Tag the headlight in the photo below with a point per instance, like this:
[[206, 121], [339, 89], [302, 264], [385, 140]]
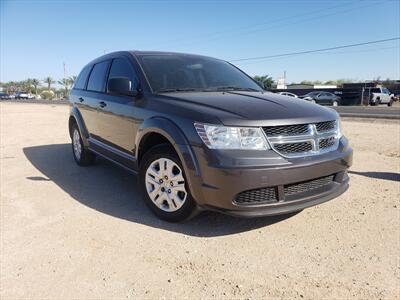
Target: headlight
[[222, 137]]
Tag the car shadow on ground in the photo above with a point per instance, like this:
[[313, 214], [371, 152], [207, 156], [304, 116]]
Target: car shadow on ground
[[378, 175], [113, 191]]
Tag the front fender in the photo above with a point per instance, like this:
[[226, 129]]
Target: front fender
[[176, 137]]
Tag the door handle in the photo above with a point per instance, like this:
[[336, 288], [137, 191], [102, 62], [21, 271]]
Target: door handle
[[81, 99], [102, 104]]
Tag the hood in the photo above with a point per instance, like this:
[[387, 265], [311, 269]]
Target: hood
[[254, 109]]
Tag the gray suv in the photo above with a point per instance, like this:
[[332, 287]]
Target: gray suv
[[202, 135]]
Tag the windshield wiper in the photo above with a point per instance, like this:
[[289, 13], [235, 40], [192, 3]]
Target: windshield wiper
[[235, 88], [176, 90]]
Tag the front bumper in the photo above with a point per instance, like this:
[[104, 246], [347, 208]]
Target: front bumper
[[225, 174]]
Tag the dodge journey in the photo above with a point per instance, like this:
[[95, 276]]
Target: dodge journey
[[203, 135]]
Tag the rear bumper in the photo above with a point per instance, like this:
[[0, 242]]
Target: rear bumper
[[225, 174]]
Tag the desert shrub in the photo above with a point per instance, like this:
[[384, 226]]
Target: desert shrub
[[48, 95]]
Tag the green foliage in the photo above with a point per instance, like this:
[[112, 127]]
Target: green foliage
[[49, 81], [35, 83], [266, 81], [47, 94]]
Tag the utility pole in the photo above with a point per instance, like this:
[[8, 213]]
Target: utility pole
[[65, 81], [284, 79]]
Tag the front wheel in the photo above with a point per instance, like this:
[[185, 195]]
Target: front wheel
[[164, 185]]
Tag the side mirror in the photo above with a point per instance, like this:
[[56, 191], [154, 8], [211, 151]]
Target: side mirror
[[121, 86]]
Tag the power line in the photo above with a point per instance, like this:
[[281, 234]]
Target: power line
[[316, 50], [323, 53], [215, 35], [292, 21]]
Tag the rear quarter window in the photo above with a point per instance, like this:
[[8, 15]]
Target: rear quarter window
[[82, 78]]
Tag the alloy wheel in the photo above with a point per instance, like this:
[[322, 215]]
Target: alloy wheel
[[165, 184], [76, 141]]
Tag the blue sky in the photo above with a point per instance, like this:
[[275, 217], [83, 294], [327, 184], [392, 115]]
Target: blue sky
[[36, 37]]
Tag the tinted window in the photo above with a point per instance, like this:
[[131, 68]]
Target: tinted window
[[375, 90], [97, 77], [193, 72], [121, 68], [81, 80]]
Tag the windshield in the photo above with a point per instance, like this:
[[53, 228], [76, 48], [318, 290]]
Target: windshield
[[174, 73]]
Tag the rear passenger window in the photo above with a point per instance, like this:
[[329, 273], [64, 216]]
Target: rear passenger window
[[121, 68], [98, 76], [81, 80]]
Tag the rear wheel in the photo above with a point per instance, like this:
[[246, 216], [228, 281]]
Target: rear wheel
[[164, 186], [390, 103], [82, 156]]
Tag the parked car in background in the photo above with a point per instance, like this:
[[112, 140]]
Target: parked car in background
[[323, 98], [288, 94], [380, 95], [202, 135], [21, 95], [4, 96], [24, 95]]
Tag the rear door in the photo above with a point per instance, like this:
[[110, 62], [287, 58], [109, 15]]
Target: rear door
[[119, 121], [80, 98], [385, 95], [325, 98], [95, 97]]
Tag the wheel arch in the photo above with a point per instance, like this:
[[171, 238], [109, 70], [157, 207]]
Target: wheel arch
[[163, 130], [75, 117]]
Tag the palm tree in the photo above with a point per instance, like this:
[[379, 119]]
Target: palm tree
[[65, 82], [265, 80], [35, 82], [72, 79], [49, 81], [27, 85]]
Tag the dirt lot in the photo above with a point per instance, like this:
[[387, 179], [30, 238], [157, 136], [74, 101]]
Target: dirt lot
[[71, 232]]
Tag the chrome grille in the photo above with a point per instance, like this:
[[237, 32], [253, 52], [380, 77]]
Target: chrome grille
[[326, 143], [286, 130], [326, 126], [297, 188], [294, 147], [263, 195], [303, 139]]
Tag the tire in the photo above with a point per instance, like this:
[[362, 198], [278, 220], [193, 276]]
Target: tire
[[390, 103], [82, 156], [172, 205]]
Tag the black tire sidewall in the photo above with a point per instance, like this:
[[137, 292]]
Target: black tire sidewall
[[188, 208], [87, 158]]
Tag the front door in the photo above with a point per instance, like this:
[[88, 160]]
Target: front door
[[117, 114]]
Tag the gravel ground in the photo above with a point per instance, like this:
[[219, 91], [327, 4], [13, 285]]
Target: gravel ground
[[71, 232]]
